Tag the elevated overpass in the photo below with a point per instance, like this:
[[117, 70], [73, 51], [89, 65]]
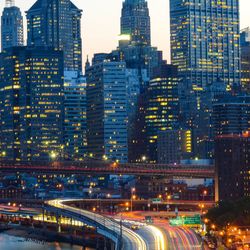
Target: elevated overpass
[[104, 167], [123, 237]]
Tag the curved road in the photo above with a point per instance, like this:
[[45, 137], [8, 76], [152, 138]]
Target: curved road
[[166, 237], [160, 236], [131, 240]]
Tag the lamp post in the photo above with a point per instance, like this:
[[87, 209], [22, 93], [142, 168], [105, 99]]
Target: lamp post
[[132, 196], [204, 194]]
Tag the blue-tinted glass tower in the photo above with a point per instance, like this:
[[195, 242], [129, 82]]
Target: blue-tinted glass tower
[[205, 41], [31, 104], [11, 26], [135, 21], [57, 23], [107, 132], [205, 45], [245, 59]]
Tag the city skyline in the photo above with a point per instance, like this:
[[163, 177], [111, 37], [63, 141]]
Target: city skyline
[[106, 23]]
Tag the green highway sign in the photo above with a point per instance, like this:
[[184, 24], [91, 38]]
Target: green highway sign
[[186, 221], [176, 222], [156, 201], [195, 220]]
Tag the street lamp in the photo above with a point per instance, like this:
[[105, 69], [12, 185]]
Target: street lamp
[[104, 157], [132, 196], [204, 193], [53, 155]]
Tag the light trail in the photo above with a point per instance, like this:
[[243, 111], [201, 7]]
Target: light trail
[[132, 241], [159, 237]]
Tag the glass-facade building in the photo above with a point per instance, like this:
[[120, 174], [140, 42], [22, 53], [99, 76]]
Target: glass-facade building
[[31, 104], [135, 40], [107, 133], [135, 22], [162, 106], [57, 24], [245, 59], [205, 41], [11, 27], [75, 123], [205, 45], [231, 115]]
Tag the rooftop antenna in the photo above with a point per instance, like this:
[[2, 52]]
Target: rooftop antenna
[[9, 3]]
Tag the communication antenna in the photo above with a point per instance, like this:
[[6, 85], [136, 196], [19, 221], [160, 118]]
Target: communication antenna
[[9, 3]]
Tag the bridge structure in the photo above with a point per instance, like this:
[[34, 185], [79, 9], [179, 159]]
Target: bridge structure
[[93, 167]]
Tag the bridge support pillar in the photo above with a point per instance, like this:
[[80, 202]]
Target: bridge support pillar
[[58, 220]]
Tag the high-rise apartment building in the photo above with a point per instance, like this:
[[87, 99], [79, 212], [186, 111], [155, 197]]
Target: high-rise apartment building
[[173, 146], [245, 59], [57, 24], [162, 106], [31, 104], [205, 41], [75, 122], [232, 156], [11, 26], [107, 134], [205, 45], [231, 115]]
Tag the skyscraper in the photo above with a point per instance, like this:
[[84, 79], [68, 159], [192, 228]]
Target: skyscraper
[[135, 40], [231, 115], [205, 41], [57, 24], [11, 26], [107, 134], [135, 22], [136, 50], [31, 103], [245, 59], [75, 123], [205, 46], [162, 106], [232, 156]]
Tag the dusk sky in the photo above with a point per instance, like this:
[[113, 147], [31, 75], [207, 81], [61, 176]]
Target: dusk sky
[[101, 23]]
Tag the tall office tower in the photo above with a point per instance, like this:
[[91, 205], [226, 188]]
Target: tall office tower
[[107, 134], [245, 59], [136, 50], [135, 22], [162, 106], [202, 130], [135, 40], [11, 26], [31, 104], [231, 115], [75, 122], [57, 24], [173, 146], [232, 156], [205, 41], [205, 47]]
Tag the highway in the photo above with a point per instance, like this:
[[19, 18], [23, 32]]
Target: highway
[[131, 240], [158, 236], [164, 236], [179, 238]]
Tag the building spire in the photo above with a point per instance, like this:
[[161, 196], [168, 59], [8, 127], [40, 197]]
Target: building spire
[[9, 3]]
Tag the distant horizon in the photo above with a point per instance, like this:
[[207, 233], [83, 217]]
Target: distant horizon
[[101, 24]]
